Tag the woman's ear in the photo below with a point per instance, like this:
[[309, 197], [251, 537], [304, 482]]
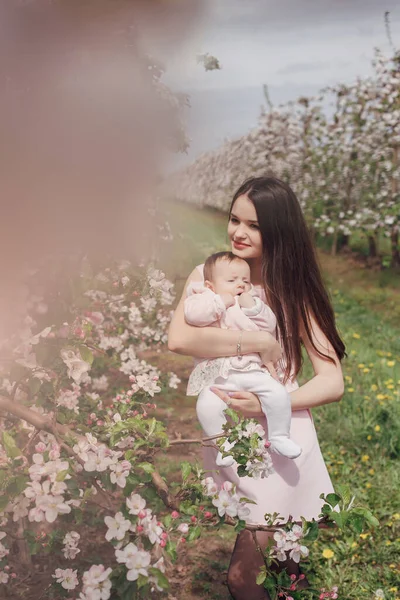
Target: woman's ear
[[209, 285]]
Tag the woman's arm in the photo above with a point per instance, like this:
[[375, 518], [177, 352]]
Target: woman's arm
[[327, 384], [213, 342]]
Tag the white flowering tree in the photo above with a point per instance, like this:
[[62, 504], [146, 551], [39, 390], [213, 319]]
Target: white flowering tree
[[344, 162]]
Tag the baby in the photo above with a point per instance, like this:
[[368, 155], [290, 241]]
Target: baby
[[227, 300]]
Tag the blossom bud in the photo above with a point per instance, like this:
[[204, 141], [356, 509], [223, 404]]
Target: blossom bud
[[132, 378], [182, 540], [92, 415], [159, 523], [207, 514], [40, 447], [13, 575], [139, 528], [129, 393], [115, 283], [292, 587], [174, 514], [293, 577], [302, 576], [142, 514], [183, 528], [164, 535], [193, 519], [163, 543], [267, 444], [100, 423], [155, 378]]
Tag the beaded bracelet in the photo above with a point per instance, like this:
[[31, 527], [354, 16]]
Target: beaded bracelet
[[239, 346]]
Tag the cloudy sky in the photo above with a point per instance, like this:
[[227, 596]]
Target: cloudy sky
[[294, 46]]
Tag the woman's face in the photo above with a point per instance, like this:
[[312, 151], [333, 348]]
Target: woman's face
[[243, 229]]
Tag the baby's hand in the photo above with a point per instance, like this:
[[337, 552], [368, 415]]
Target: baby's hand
[[246, 300], [228, 300]]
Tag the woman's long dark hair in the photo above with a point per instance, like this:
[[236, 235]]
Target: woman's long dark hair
[[290, 273]]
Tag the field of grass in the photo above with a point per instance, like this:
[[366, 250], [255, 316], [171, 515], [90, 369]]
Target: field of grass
[[359, 437]]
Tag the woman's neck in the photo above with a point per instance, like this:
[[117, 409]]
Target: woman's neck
[[255, 271]]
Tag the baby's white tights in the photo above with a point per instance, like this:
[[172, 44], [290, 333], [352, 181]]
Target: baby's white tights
[[275, 404]]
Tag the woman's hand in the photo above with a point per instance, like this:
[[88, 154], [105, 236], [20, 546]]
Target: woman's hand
[[270, 349], [245, 403]]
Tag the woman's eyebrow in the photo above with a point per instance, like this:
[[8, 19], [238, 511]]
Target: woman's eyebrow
[[248, 220]]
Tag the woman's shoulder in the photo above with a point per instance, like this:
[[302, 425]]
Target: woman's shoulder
[[200, 270]]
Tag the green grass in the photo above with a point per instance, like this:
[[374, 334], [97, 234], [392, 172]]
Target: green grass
[[360, 436]]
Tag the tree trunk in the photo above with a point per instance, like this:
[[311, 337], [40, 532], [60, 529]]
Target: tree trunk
[[394, 241], [372, 245], [334, 243]]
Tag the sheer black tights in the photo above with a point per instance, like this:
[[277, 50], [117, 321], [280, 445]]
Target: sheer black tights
[[245, 565]]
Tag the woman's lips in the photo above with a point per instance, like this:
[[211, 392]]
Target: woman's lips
[[240, 245]]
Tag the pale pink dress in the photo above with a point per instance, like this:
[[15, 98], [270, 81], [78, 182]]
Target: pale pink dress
[[296, 485]]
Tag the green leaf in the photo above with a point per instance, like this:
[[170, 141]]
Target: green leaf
[[147, 467], [86, 354], [240, 525], [333, 499], [232, 414], [186, 469], [62, 475], [261, 577], [10, 446], [161, 578], [194, 533], [312, 533]]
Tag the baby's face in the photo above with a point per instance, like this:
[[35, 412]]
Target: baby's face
[[231, 277]]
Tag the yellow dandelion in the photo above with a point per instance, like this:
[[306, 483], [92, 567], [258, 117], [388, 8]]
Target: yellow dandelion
[[367, 398], [351, 390], [348, 378], [366, 370], [377, 427], [365, 458], [390, 386], [396, 516], [368, 485], [388, 543], [364, 535], [356, 336], [327, 553], [354, 545], [374, 387], [369, 437], [391, 363], [393, 589], [371, 471], [388, 354], [380, 397], [371, 364], [389, 523], [392, 566], [361, 366]]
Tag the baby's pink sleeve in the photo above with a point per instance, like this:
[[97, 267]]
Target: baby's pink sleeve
[[261, 315], [202, 307]]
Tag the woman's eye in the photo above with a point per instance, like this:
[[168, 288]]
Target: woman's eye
[[254, 226], [233, 220]]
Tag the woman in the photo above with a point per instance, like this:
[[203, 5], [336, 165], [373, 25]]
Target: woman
[[267, 228]]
